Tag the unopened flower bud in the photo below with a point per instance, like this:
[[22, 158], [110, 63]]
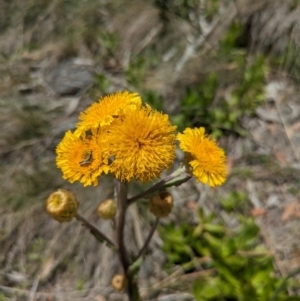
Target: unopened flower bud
[[119, 282], [161, 205], [62, 205], [107, 209]]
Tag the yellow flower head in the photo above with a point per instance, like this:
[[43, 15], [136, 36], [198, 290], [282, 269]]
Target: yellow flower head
[[106, 110], [82, 158], [142, 144], [205, 157]]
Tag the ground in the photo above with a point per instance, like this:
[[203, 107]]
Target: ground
[[58, 57]]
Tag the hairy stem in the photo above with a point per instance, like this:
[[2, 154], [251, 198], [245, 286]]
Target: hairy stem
[[96, 232], [178, 177], [148, 239], [132, 289], [122, 206]]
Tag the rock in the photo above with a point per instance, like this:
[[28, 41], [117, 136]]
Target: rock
[[69, 77]]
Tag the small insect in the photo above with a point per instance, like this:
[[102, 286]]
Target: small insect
[[87, 159]]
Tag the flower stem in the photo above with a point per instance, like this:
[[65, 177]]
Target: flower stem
[[132, 289], [122, 206], [96, 232], [178, 177], [148, 239]]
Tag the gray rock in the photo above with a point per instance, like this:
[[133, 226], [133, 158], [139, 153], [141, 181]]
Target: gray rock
[[69, 77]]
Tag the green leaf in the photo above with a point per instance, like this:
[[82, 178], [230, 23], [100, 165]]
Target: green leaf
[[212, 241], [214, 228]]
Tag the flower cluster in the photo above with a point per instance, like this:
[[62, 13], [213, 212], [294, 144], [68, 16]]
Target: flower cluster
[[121, 136]]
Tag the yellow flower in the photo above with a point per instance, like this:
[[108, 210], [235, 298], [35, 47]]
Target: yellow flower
[[142, 144], [82, 158], [106, 110], [205, 157]]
